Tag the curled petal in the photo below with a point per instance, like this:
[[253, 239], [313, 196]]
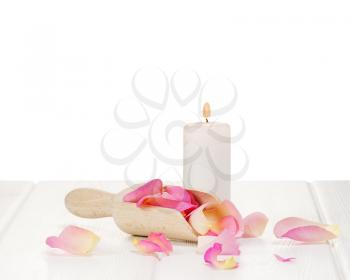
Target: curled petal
[[305, 231], [160, 239], [282, 259], [216, 217], [254, 224], [226, 239], [167, 201], [199, 221], [210, 257], [216, 213], [74, 240], [150, 188]]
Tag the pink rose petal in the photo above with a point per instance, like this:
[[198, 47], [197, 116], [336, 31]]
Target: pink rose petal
[[211, 233], [74, 240], [147, 247], [282, 259], [226, 239], [150, 188], [229, 223], [210, 257], [180, 193], [305, 231], [216, 217], [165, 200], [160, 239], [254, 224], [155, 243]]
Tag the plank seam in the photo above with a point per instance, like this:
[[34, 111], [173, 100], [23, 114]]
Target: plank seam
[[320, 212], [14, 210]]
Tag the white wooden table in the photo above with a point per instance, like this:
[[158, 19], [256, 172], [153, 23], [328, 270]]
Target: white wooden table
[[31, 212]]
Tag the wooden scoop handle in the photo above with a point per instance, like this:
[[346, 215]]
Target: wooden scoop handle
[[89, 203]]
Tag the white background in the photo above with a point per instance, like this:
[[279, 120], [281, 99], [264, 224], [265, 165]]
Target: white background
[[65, 64]]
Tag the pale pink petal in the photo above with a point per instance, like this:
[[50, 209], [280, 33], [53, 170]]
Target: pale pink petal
[[150, 188], [226, 239], [226, 208], [229, 223], [74, 240], [160, 239], [166, 201], [216, 217], [210, 257], [254, 224], [147, 247], [305, 231], [229, 243], [282, 259], [309, 234], [199, 221]]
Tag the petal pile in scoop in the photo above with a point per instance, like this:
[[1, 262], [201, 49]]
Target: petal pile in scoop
[[154, 194], [217, 223]]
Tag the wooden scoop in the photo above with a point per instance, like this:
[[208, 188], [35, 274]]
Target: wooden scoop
[[93, 203]]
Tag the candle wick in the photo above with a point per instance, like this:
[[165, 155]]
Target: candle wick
[[206, 120]]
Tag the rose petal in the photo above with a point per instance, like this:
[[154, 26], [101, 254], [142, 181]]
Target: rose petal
[[229, 223], [254, 224], [160, 239], [211, 233], [282, 259], [156, 242], [165, 200], [147, 247], [210, 257], [179, 193], [199, 221], [216, 213], [213, 217], [74, 240], [306, 231], [150, 188], [226, 239]]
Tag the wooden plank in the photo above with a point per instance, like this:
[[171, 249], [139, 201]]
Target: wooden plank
[[24, 254], [333, 199], [12, 196]]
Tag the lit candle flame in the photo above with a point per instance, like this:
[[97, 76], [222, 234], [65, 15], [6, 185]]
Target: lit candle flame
[[206, 111]]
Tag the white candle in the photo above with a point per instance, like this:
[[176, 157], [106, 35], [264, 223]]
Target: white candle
[[207, 157]]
